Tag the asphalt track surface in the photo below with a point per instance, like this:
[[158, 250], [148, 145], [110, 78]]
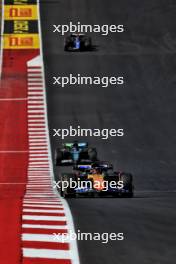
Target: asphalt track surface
[[146, 55]]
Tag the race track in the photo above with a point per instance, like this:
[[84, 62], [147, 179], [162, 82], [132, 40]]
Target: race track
[[145, 54]]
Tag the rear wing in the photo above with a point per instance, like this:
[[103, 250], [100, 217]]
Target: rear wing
[[80, 145], [103, 165]]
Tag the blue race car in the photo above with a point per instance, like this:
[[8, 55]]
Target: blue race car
[[75, 153], [77, 42]]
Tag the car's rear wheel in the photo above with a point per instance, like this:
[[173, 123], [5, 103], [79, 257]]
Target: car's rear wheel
[[127, 184], [87, 43], [68, 191], [92, 154], [58, 157]]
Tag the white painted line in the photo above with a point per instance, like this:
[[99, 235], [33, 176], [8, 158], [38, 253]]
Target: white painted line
[[46, 253], [32, 144], [33, 184], [43, 137], [40, 179], [45, 226], [31, 74], [38, 121], [37, 186], [35, 178], [39, 173], [38, 152], [39, 196], [38, 140], [43, 217], [42, 206], [39, 162], [35, 106], [40, 237], [34, 174], [38, 159], [39, 189], [37, 125], [42, 211], [40, 186], [43, 191], [39, 79], [41, 129], [35, 97], [39, 169], [35, 111], [44, 188], [32, 68], [35, 89], [42, 203], [39, 166], [37, 133], [35, 82], [38, 183], [38, 143], [40, 176]]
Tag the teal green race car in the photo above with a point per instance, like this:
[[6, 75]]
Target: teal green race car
[[75, 153]]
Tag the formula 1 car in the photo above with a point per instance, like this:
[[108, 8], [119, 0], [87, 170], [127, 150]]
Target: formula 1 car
[[77, 42], [75, 153], [96, 179]]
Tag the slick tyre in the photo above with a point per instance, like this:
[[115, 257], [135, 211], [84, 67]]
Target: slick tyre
[[128, 184], [92, 154], [87, 44], [68, 192], [58, 157]]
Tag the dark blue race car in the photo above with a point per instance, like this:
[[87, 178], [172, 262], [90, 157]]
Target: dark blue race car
[[77, 42]]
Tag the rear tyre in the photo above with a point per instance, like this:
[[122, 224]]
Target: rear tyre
[[68, 192], [92, 154], [128, 184], [58, 157], [88, 43]]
